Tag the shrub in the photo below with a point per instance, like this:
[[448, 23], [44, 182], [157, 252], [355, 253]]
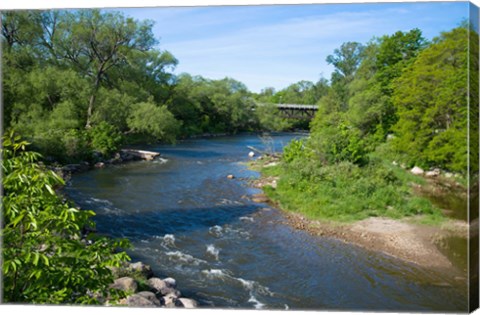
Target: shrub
[[45, 259], [105, 138]]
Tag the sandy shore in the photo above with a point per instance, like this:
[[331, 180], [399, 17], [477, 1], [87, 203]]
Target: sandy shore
[[408, 241]]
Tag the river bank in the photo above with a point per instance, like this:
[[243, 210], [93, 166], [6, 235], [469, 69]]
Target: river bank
[[406, 239], [189, 221]]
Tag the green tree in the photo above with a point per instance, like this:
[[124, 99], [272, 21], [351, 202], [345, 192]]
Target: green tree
[[431, 101], [156, 121], [46, 257]]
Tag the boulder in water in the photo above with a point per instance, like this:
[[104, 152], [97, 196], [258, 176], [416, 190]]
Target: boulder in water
[[138, 300], [186, 303], [251, 154], [159, 286], [169, 300], [172, 283], [230, 176], [149, 296], [142, 268]]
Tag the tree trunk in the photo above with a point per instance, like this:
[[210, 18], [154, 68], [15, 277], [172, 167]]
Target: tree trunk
[[91, 102]]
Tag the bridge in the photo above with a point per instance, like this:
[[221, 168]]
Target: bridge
[[297, 111]]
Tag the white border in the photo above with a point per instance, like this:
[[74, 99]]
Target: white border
[[49, 4]]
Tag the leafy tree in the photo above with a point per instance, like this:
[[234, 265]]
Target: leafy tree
[[156, 121], [431, 101], [346, 60], [105, 138], [270, 118], [46, 257]]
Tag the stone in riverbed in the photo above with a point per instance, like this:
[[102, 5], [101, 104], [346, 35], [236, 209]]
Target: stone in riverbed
[[251, 154], [172, 283], [159, 286], [150, 296], [99, 165], [126, 284], [169, 300], [186, 303], [142, 268], [138, 300], [259, 198], [230, 176]]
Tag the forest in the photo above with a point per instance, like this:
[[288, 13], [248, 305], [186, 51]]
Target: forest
[[82, 84]]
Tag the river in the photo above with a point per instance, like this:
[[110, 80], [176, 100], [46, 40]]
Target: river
[[189, 222]]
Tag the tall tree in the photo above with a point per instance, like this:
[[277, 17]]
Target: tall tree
[[431, 100], [93, 42]]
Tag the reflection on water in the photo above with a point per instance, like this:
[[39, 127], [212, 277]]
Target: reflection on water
[[190, 222]]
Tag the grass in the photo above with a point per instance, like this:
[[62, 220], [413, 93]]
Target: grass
[[345, 192]]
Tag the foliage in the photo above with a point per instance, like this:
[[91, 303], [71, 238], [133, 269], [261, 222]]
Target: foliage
[[150, 119], [270, 119], [398, 98], [46, 258], [431, 101], [295, 150], [347, 192], [105, 138]]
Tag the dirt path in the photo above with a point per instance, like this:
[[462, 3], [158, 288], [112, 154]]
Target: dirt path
[[404, 240]]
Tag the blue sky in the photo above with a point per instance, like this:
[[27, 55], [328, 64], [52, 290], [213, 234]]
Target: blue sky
[[279, 45]]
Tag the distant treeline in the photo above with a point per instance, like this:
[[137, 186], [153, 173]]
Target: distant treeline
[[80, 81]]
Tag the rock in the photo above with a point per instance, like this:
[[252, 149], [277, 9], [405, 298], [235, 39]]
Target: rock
[[150, 296], [71, 168], [251, 154], [172, 283], [141, 268], [99, 165], [159, 286], [126, 284], [448, 175], [433, 173], [260, 198], [274, 184], [417, 171], [186, 303], [140, 301], [141, 154], [169, 300], [97, 155], [230, 176], [395, 163]]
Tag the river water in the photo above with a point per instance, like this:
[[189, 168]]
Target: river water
[[189, 222]]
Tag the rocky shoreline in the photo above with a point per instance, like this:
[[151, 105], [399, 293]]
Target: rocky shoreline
[[136, 282], [142, 289], [121, 157]]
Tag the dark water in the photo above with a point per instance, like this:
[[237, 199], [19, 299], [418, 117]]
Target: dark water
[[190, 222]]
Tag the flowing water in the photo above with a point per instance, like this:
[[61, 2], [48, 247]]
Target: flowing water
[[189, 222]]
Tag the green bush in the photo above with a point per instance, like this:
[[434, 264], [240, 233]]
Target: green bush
[[345, 191], [45, 259], [105, 138]]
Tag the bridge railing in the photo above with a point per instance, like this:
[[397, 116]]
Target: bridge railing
[[292, 106]]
